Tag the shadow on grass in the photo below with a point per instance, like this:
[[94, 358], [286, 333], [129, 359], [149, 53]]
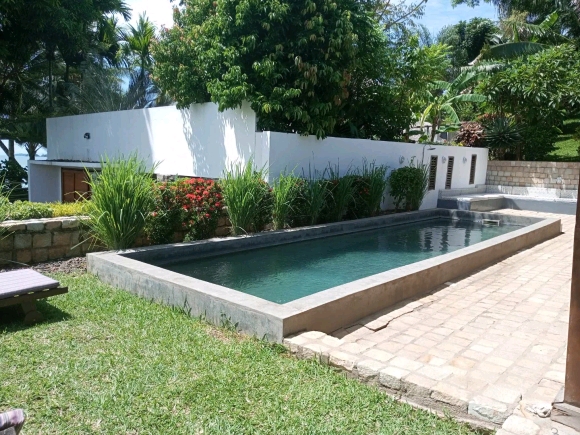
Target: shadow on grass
[[12, 318]]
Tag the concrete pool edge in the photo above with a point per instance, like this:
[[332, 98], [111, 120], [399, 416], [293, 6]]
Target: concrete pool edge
[[356, 299]]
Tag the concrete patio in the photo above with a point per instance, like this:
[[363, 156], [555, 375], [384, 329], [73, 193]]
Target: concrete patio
[[487, 347]]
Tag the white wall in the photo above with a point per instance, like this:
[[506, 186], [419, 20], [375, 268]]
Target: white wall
[[44, 183], [200, 141], [291, 151]]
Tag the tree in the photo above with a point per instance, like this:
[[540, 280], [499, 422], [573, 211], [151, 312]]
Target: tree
[[538, 10], [538, 92], [444, 98], [293, 60], [466, 40]]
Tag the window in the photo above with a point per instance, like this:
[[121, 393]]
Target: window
[[433, 172], [449, 176], [472, 170]]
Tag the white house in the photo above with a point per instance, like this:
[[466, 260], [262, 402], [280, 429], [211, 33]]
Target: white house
[[201, 141]]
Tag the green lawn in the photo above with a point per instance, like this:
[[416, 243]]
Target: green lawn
[[567, 146], [108, 362]]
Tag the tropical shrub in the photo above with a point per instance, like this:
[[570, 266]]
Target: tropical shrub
[[248, 198], [77, 208], [503, 137], [408, 186], [285, 192], [121, 200], [370, 185], [23, 210], [340, 194], [191, 205], [470, 134], [310, 201], [13, 176]]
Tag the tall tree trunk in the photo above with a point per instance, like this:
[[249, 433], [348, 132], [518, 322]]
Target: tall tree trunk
[[31, 148], [50, 84], [11, 149]]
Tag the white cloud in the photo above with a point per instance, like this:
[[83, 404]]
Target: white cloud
[[159, 12]]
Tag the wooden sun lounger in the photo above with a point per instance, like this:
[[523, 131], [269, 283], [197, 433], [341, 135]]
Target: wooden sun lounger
[[24, 287]]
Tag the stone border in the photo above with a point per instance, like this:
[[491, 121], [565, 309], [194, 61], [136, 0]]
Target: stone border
[[403, 384], [347, 303]]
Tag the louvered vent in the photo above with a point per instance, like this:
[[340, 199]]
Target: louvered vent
[[433, 172], [472, 170], [449, 176]]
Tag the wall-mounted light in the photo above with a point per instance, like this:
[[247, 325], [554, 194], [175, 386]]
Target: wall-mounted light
[[464, 159], [402, 160], [443, 159], [87, 136]]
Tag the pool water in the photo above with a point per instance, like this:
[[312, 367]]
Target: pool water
[[291, 271]]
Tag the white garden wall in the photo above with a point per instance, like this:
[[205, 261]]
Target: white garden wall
[[291, 151], [198, 141], [203, 142]]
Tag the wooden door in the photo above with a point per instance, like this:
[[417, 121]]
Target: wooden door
[[74, 185]]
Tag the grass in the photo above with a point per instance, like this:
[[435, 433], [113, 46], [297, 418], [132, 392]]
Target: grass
[[566, 145], [106, 361]]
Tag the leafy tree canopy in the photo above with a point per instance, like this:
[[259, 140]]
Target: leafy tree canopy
[[539, 92], [466, 38], [293, 60]]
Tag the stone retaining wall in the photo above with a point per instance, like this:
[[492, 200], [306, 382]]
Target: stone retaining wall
[[551, 175], [36, 241]]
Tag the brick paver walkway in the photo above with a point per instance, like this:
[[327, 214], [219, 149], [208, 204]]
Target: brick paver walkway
[[488, 346]]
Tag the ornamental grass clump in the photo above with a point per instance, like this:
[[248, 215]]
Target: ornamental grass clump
[[121, 200], [370, 186], [284, 199], [341, 194], [408, 186], [248, 198]]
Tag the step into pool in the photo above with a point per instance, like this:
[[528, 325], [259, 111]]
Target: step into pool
[[291, 271]]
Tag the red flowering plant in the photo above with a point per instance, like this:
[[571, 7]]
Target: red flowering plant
[[190, 205]]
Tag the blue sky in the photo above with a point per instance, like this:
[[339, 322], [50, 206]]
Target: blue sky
[[438, 13]]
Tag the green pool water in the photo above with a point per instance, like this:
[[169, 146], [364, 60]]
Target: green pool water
[[287, 272]]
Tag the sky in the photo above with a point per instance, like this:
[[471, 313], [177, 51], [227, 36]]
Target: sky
[[438, 13]]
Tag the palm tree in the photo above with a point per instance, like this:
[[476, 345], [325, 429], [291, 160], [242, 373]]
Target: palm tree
[[444, 98]]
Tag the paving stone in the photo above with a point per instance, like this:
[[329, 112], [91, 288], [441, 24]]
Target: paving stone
[[451, 395], [405, 363], [368, 370], [379, 355], [392, 377], [488, 409], [342, 360], [556, 376], [502, 394], [435, 373], [34, 226], [520, 426], [312, 350], [462, 362], [313, 335], [418, 386]]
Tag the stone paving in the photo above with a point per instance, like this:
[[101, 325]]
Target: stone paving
[[486, 347]]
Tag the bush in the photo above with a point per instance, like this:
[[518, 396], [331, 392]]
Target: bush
[[285, 193], [13, 176], [408, 186], [248, 198], [470, 134], [23, 210], [369, 190], [62, 209], [121, 200], [192, 205], [341, 194]]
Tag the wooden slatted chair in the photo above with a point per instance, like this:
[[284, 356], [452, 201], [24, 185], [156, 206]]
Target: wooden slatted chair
[[24, 287]]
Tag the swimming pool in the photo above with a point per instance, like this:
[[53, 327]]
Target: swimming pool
[[321, 278], [287, 272]]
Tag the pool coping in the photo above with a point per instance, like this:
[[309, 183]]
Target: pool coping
[[345, 303]]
